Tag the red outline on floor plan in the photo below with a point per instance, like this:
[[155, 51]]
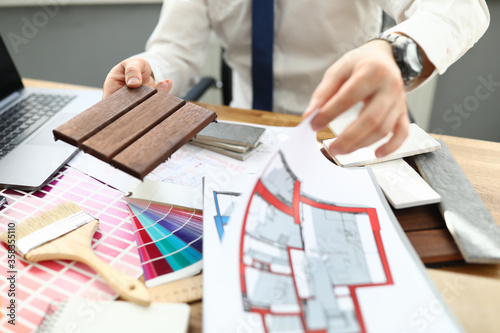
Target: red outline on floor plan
[[303, 259]]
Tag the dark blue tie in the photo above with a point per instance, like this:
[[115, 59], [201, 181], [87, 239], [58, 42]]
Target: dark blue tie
[[262, 54]]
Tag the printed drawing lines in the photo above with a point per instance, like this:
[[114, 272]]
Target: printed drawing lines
[[224, 205], [302, 259]]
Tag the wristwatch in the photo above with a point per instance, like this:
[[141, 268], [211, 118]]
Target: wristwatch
[[407, 55]]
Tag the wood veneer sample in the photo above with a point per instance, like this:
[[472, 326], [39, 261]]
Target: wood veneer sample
[[101, 114], [420, 218], [142, 156], [135, 129], [435, 246], [122, 132]]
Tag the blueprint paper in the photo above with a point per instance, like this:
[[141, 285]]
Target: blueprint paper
[[314, 247]]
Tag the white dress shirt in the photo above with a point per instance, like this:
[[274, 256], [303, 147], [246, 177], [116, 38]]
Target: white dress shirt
[[310, 35]]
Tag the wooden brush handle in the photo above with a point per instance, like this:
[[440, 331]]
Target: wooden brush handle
[[127, 287], [76, 245]]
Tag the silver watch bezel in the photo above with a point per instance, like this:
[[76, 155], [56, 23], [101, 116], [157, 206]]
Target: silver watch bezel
[[406, 54]]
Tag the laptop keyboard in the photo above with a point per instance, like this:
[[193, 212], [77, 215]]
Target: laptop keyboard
[[22, 119]]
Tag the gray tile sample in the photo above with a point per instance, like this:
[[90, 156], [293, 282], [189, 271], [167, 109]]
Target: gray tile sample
[[227, 152], [236, 134], [467, 218]]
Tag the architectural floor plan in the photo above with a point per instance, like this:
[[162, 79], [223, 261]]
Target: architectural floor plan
[[302, 259], [311, 247]]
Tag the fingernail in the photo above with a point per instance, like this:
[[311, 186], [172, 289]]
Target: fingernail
[[307, 112], [170, 84], [133, 81], [310, 109], [334, 149], [315, 126], [333, 152], [163, 86]]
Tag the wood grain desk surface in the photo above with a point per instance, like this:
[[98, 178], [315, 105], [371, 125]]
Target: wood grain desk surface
[[472, 291]]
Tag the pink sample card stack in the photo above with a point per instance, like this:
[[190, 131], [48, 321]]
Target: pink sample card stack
[[38, 284]]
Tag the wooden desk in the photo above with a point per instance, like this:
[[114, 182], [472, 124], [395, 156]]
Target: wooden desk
[[472, 291]]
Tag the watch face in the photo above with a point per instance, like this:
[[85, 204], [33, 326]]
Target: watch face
[[407, 56], [413, 58]]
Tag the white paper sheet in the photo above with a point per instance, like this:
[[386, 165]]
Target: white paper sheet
[[221, 194], [102, 171], [188, 165], [350, 266]]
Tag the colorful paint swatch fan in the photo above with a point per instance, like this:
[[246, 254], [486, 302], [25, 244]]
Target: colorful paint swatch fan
[[168, 230]]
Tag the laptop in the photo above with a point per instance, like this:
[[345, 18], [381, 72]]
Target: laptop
[[29, 155]]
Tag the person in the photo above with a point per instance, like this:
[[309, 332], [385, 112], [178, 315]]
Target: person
[[327, 55]]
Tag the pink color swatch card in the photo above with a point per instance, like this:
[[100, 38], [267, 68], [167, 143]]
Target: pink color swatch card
[[35, 285]]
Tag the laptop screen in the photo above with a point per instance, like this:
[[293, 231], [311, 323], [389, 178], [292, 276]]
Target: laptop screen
[[10, 81]]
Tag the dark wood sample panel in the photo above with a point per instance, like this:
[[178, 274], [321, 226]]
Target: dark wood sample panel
[[135, 129], [101, 114], [159, 143], [131, 126], [427, 232]]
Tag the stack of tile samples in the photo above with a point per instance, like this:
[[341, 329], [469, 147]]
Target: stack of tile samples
[[234, 140]]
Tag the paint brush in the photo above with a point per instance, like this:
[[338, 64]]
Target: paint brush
[[65, 233]]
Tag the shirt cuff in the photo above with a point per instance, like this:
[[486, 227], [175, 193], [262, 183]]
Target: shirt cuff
[[442, 42]]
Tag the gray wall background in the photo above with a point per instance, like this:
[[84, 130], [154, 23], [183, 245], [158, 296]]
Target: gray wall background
[[80, 43], [463, 105]]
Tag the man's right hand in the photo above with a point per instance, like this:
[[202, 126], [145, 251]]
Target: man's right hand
[[132, 72]]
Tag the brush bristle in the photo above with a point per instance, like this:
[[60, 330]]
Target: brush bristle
[[44, 219]]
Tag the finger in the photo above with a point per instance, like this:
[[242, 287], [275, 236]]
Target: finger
[[110, 87], [133, 72], [165, 86], [114, 81], [356, 89], [137, 71], [384, 125], [148, 80], [375, 121], [358, 131], [400, 134], [333, 79]]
